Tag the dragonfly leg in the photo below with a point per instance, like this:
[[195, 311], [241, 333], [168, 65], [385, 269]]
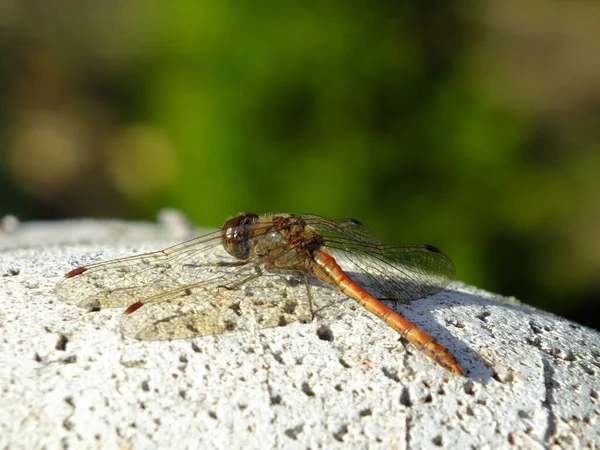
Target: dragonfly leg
[[310, 299], [218, 264], [257, 273]]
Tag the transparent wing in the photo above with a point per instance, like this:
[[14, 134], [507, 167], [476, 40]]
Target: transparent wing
[[191, 289], [207, 309], [122, 282], [401, 272]]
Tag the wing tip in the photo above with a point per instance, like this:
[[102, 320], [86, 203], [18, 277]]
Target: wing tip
[[133, 307], [433, 249], [75, 272]]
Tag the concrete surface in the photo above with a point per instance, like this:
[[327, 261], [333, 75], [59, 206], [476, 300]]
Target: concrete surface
[[68, 379]]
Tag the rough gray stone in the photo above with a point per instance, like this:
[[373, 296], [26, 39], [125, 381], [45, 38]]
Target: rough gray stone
[[68, 377]]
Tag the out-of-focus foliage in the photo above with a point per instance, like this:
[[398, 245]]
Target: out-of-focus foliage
[[470, 126]]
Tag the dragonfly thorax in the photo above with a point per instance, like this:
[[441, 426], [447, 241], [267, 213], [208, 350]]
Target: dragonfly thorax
[[288, 243]]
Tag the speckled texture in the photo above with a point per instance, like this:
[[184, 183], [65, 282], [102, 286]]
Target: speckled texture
[[68, 378]]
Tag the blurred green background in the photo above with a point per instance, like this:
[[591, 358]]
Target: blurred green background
[[473, 126]]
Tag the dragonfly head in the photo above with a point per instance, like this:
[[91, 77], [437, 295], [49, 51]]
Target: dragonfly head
[[235, 235]]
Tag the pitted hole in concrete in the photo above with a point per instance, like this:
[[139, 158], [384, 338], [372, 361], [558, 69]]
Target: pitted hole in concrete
[[183, 394], [325, 333], [293, 281], [571, 356], [338, 387], [340, 433], [69, 401], [145, 386], [68, 425], [307, 389], [195, 348], [183, 359], [69, 360], [470, 388], [438, 441], [212, 415], [405, 399], [524, 414], [428, 398], [483, 316], [343, 362], [37, 358], [275, 399], [293, 433], [278, 358], [594, 395], [535, 327], [441, 391], [62, 342], [392, 374], [130, 364], [588, 369], [365, 412], [242, 406], [454, 323], [503, 377]]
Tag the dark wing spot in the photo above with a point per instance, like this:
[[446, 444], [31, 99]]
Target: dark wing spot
[[134, 307], [76, 272], [356, 222], [433, 249]]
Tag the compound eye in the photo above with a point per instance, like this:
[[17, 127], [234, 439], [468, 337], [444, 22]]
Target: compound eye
[[235, 235], [239, 220]]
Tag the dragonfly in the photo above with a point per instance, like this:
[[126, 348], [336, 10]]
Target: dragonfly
[[187, 290]]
